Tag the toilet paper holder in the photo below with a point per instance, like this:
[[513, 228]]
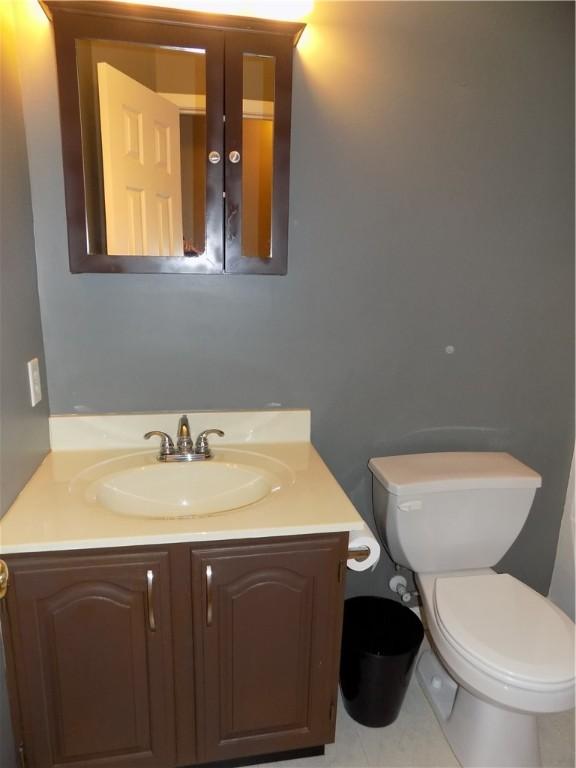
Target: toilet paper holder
[[358, 553]]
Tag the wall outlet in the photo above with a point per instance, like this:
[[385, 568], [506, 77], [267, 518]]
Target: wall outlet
[[34, 381]]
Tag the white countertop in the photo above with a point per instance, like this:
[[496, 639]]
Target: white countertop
[[54, 513]]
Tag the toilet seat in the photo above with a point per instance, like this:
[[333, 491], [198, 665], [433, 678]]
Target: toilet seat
[[506, 630]]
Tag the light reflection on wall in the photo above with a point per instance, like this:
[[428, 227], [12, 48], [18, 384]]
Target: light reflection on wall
[[308, 42], [283, 10], [32, 11]]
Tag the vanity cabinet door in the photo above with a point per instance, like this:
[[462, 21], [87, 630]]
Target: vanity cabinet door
[[267, 622], [91, 645]]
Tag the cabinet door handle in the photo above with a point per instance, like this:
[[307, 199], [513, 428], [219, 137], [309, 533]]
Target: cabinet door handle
[[4, 578], [150, 599], [208, 595]]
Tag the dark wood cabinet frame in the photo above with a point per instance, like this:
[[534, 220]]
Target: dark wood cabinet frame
[[172, 28], [281, 49]]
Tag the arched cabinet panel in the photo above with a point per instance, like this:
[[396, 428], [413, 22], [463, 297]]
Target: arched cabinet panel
[[95, 677], [274, 599], [267, 622]]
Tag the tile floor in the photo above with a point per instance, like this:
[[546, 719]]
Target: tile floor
[[416, 741]]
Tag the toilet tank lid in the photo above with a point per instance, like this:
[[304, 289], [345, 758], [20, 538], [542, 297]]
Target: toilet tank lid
[[454, 471]]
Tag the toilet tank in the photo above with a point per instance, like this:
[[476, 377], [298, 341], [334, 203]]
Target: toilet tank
[[450, 511]]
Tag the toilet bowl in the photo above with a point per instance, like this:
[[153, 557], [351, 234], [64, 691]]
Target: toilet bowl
[[506, 642], [503, 653], [500, 652]]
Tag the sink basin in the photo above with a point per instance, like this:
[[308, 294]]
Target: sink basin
[[146, 488]]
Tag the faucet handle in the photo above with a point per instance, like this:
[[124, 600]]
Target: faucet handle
[[202, 448], [166, 444]]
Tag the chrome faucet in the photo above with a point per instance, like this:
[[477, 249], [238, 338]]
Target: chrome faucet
[[186, 449]]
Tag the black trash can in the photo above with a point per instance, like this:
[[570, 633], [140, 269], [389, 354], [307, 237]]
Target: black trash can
[[380, 641]]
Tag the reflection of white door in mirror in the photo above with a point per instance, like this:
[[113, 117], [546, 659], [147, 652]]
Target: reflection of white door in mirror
[[140, 134]]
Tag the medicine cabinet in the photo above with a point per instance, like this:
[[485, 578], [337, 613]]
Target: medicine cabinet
[[175, 138]]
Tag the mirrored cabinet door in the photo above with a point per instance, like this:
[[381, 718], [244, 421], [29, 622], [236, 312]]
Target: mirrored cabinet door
[[142, 114], [257, 152], [144, 148]]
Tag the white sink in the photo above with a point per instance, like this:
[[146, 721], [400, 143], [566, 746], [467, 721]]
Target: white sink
[[138, 485]]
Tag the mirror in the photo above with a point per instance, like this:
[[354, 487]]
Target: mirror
[[258, 75], [144, 149], [143, 126]]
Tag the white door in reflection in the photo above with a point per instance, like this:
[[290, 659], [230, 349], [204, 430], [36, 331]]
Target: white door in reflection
[[140, 133]]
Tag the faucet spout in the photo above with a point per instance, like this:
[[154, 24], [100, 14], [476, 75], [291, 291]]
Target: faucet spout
[[183, 426], [184, 443]]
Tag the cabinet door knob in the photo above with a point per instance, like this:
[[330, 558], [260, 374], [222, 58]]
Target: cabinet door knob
[[214, 157], [150, 599], [234, 156], [4, 576]]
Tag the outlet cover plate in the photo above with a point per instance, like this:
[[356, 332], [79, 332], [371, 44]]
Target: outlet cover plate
[[34, 381]]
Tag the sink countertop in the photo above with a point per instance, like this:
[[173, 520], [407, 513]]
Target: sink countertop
[[51, 513]]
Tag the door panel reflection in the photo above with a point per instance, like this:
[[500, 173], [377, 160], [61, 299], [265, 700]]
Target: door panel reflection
[[143, 118]]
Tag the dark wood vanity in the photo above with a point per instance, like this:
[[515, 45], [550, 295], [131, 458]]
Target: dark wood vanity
[[174, 655], [175, 138]]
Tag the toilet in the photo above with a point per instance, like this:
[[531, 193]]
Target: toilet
[[499, 651]]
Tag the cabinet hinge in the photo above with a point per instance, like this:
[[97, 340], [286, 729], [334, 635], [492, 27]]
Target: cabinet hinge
[[22, 756], [340, 570], [223, 118], [332, 711]]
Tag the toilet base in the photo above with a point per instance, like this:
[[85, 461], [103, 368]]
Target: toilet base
[[481, 734]]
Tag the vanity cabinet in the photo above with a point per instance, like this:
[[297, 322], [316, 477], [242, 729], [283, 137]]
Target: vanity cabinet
[[175, 138], [175, 656]]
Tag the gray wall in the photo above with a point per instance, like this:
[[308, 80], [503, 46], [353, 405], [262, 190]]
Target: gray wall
[[23, 430], [431, 206]]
